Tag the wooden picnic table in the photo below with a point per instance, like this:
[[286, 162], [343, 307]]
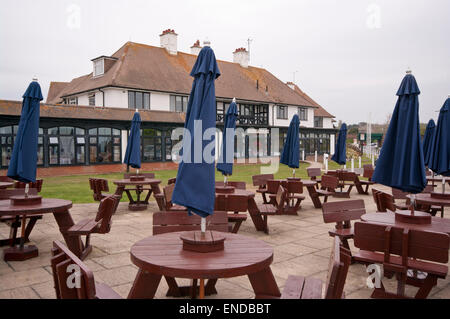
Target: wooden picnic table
[[138, 186], [438, 224], [60, 210], [311, 187], [427, 199], [4, 185], [163, 255]]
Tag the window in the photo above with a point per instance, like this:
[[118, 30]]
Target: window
[[318, 121], [92, 99], [73, 101], [282, 112], [99, 67], [151, 145], [303, 113], [66, 145], [220, 116], [7, 136], [138, 100], [104, 145], [178, 103]]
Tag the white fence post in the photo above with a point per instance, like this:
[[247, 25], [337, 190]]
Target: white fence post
[[353, 165], [315, 156], [325, 159], [359, 159]]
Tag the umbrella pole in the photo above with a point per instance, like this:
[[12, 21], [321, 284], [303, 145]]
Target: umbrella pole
[[443, 184], [27, 189], [293, 172], [413, 203], [225, 180], [137, 171], [203, 228]]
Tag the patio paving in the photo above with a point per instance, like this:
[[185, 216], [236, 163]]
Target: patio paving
[[301, 247]]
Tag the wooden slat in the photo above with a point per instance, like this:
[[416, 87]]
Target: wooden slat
[[293, 287], [312, 288]]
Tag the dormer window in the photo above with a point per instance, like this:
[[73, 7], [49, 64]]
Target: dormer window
[[99, 67], [102, 64]]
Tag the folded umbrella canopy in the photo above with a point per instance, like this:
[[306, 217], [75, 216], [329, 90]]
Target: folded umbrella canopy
[[440, 158], [133, 152], [226, 159], [340, 151], [401, 164], [427, 142], [291, 149], [195, 183], [22, 166]]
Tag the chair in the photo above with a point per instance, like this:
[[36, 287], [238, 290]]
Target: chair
[[269, 209], [359, 183], [315, 173], [261, 182], [146, 175], [15, 221], [401, 195], [403, 252], [101, 224], [98, 186], [164, 199], [298, 287], [342, 213], [166, 222], [293, 197], [233, 203], [329, 185], [62, 263], [171, 181], [345, 179], [37, 185]]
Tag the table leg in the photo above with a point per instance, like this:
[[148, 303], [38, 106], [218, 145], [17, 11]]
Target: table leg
[[314, 196], [144, 286], [65, 221], [255, 215], [264, 284]]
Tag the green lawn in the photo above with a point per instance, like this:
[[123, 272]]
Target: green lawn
[[76, 187]]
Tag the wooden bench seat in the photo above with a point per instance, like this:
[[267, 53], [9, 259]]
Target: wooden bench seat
[[342, 213], [403, 252], [101, 224], [299, 287], [62, 259], [235, 221], [261, 182]]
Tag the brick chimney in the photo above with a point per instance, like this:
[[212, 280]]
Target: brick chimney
[[241, 56], [168, 40], [196, 48]]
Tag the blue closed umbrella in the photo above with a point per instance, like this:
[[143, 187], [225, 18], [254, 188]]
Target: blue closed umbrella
[[291, 149], [22, 166], [427, 142], [440, 159], [340, 151], [133, 152], [195, 183], [401, 164], [226, 158]]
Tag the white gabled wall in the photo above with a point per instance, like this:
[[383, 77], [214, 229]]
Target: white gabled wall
[[327, 122], [274, 121]]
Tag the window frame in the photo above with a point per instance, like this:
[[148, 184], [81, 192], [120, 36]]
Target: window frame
[[173, 103], [302, 111], [282, 112], [144, 96], [101, 63]]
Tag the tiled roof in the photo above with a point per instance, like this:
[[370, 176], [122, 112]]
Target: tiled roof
[[319, 111], [146, 67], [14, 108], [55, 89]]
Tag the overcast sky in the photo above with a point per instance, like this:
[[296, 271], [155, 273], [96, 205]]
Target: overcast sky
[[351, 55]]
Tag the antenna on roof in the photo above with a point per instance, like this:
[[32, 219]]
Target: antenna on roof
[[249, 41], [293, 81]]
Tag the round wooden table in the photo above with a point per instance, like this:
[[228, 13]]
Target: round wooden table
[[138, 186], [4, 185], [163, 255], [60, 210], [438, 224]]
